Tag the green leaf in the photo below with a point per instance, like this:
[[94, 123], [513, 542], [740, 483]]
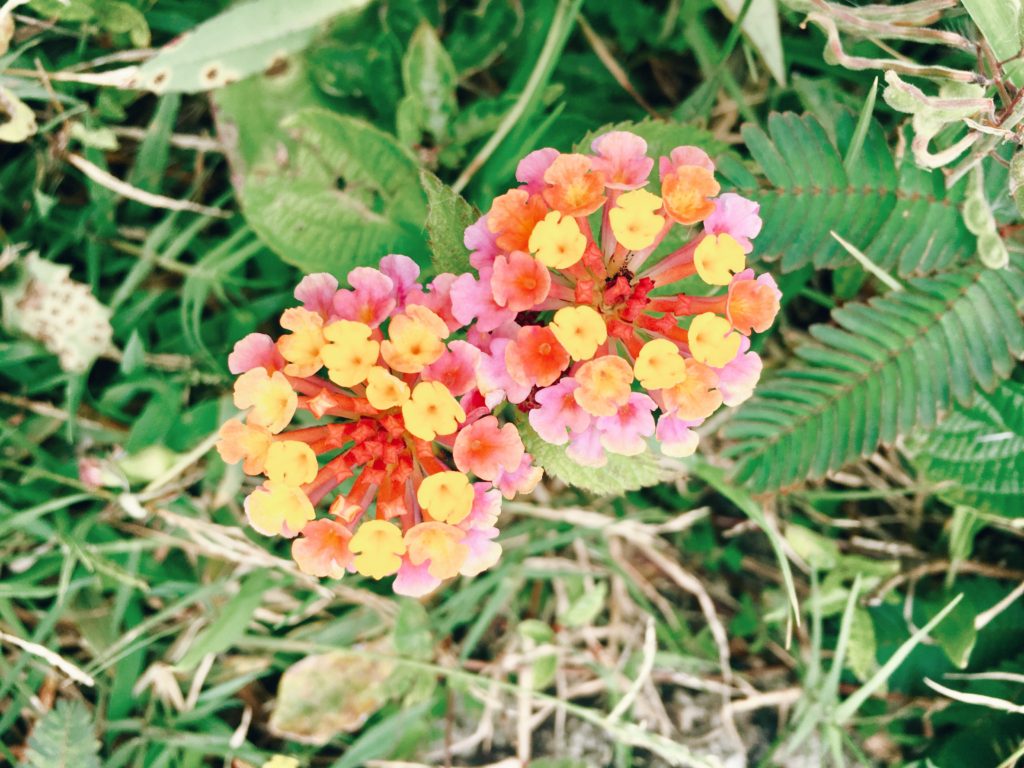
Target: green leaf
[[245, 39], [231, 622], [63, 738], [620, 474], [977, 454], [761, 27], [347, 195], [887, 368], [587, 607], [448, 215], [957, 634], [430, 80], [860, 655], [661, 137], [1001, 24], [901, 217]]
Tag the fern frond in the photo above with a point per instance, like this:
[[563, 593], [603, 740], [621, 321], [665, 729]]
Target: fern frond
[[901, 217], [979, 452], [64, 738], [886, 368]]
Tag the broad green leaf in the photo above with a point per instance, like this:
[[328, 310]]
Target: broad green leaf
[[231, 622], [1000, 21], [346, 196], [584, 609], [63, 738], [957, 634], [327, 694], [761, 26], [860, 656], [448, 215], [620, 474], [430, 80], [247, 38]]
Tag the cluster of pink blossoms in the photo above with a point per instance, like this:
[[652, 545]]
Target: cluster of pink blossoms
[[394, 413], [575, 309], [575, 316]]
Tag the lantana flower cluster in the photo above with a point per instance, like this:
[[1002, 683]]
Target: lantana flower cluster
[[398, 443], [577, 306]]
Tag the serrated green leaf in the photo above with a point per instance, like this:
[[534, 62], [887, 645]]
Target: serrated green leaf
[[245, 39], [348, 195], [63, 738], [620, 474], [448, 215]]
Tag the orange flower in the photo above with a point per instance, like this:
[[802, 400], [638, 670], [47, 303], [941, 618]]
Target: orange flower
[[695, 397], [535, 358], [576, 189], [519, 282], [439, 543], [246, 443], [753, 304], [512, 218], [686, 192], [604, 385], [322, 550]]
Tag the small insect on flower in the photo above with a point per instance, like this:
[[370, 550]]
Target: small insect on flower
[[591, 307], [396, 439]]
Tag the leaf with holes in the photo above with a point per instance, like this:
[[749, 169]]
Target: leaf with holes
[[347, 195]]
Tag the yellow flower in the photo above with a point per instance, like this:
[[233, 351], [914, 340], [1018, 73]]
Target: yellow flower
[[581, 330], [432, 411], [271, 397], [712, 340], [557, 241], [447, 496], [291, 462], [634, 220], [280, 761], [351, 352], [384, 390], [277, 509], [415, 339], [378, 548], [717, 258], [659, 365], [301, 348], [439, 543], [604, 385]]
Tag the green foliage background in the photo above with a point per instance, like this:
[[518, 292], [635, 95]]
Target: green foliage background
[[873, 485]]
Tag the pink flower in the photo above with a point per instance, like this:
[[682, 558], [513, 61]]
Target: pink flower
[[486, 507], [586, 449], [485, 449], [415, 580], [622, 157], [372, 299], [737, 216], [738, 377], [456, 368], [624, 431], [519, 281], [483, 550], [531, 168], [684, 156], [403, 272], [316, 292], [257, 350], [481, 243], [676, 436], [472, 299], [559, 413], [494, 380], [522, 480], [439, 299]]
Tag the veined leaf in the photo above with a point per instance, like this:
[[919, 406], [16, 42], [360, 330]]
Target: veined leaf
[[978, 452], [348, 195], [448, 215], [902, 218], [245, 39], [891, 366], [620, 474], [64, 738]]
